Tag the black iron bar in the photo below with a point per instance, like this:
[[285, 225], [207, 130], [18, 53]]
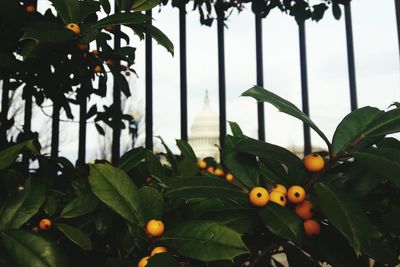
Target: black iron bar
[[397, 6], [4, 113], [183, 70], [149, 90], [82, 127], [55, 130], [260, 75], [116, 139], [221, 72]]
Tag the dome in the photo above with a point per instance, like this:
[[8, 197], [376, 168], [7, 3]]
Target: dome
[[204, 133]]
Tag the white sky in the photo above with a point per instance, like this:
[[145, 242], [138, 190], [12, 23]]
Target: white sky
[[377, 70]]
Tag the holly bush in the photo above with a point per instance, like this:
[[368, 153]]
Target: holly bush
[[97, 214]]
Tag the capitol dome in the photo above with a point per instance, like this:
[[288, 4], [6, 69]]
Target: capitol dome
[[204, 133]]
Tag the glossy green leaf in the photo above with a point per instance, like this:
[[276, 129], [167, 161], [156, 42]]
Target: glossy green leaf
[[345, 215], [82, 205], [50, 205], [382, 250], [337, 12], [384, 162], [106, 6], [243, 165], [22, 206], [162, 259], [295, 256], [186, 150], [10, 154], [235, 128], [121, 18], [76, 235], [273, 172], [171, 157], [144, 5], [203, 187], [282, 222], [156, 34], [72, 11], [29, 249], [153, 201], [352, 126], [204, 240], [154, 165], [389, 142], [262, 95], [47, 32], [387, 123], [115, 189], [131, 159]]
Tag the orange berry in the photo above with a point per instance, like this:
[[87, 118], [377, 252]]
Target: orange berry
[[314, 162], [143, 262], [202, 164], [296, 194], [219, 172], [44, 224], [278, 198], [98, 69], [304, 210], [259, 196], [210, 169], [109, 62], [311, 227], [280, 188], [30, 9], [157, 250], [229, 177], [109, 28], [96, 53], [82, 47], [74, 27], [155, 228]]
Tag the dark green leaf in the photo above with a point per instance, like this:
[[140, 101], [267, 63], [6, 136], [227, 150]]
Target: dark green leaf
[[384, 162], [9, 155], [273, 172], [153, 201], [72, 11], [121, 18], [106, 6], [186, 150], [156, 34], [162, 259], [154, 165], [352, 126], [205, 241], [337, 12], [387, 123], [389, 142], [82, 205], [345, 215], [28, 249], [262, 95], [282, 222], [76, 235], [383, 250], [131, 159], [21, 207], [114, 187], [143, 5], [50, 205], [203, 187], [47, 32], [295, 255], [235, 128], [171, 158]]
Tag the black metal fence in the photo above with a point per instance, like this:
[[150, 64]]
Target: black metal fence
[[183, 86]]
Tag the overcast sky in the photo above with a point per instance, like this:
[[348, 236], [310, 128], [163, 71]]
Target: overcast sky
[[377, 70]]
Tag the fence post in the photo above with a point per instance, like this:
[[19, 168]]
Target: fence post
[[82, 124], [304, 85], [55, 130], [183, 70], [219, 6], [4, 112], [350, 57], [149, 89], [260, 74], [397, 7]]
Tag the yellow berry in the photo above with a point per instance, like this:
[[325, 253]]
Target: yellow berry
[[278, 198], [296, 194]]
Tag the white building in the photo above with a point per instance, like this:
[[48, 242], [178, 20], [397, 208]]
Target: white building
[[204, 133]]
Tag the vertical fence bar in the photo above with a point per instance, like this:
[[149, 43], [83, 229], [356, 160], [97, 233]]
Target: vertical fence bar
[[4, 112], [397, 7], [221, 71], [55, 130], [116, 103], [260, 74], [350, 57], [304, 85], [149, 90], [183, 70], [82, 127]]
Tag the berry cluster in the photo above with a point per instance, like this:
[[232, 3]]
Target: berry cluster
[[154, 229], [217, 171]]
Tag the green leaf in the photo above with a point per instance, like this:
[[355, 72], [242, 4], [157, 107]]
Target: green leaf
[[387, 123], [383, 250], [153, 201], [10, 154], [205, 241], [186, 150], [82, 205], [262, 95], [156, 34], [336, 11], [187, 168], [126, 18], [352, 126], [143, 5], [389, 142], [295, 255], [114, 187], [345, 215], [162, 259], [28, 249], [282, 222], [106, 6], [235, 128], [243, 165], [50, 205], [203, 187], [22, 206], [76, 235], [384, 162], [47, 32], [131, 159], [171, 158], [154, 165], [273, 172], [72, 11]]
